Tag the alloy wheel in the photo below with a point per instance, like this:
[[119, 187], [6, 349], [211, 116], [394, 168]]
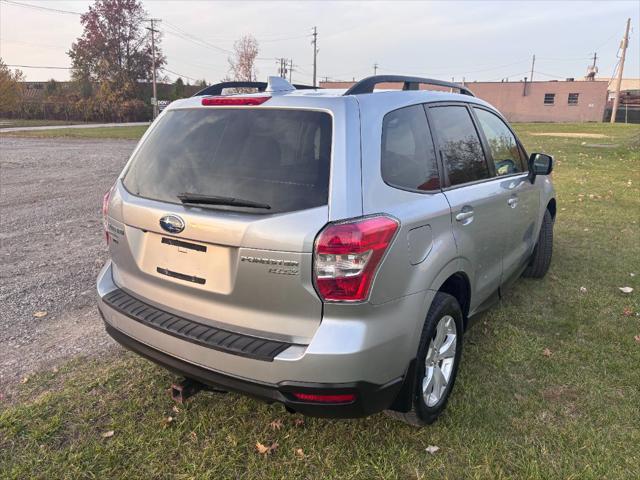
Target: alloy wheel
[[439, 361]]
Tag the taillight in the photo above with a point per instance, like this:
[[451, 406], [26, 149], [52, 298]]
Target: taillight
[[347, 257], [105, 213], [213, 101]]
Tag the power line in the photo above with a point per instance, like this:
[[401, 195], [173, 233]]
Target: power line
[[40, 66], [38, 7], [177, 74]]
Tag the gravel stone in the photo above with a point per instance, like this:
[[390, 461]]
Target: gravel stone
[[51, 249]]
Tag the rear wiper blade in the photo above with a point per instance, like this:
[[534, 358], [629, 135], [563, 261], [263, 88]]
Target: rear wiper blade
[[199, 199]]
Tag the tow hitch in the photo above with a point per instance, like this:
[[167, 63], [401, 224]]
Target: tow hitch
[[187, 388]]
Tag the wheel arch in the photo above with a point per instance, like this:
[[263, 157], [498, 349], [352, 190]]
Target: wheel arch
[[551, 206], [458, 286]]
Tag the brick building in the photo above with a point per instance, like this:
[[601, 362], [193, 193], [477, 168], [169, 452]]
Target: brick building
[[546, 101]]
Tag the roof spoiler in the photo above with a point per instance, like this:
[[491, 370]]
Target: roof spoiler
[[260, 86], [367, 85]]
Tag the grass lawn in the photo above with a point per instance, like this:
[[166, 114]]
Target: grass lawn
[[127, 133], [549, 385], [16, 122]]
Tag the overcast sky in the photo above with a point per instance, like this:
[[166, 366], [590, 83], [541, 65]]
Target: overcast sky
[[474, 39]]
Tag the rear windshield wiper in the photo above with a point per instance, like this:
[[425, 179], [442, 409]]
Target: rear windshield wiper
[[198, 199]]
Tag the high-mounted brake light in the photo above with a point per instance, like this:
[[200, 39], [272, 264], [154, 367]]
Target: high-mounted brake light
[[334, 398], [347, 256], [221, 101]]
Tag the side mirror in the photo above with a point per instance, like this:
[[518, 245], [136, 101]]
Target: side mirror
[[540, 164]]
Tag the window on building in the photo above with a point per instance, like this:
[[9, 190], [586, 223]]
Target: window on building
[[549, 98], [408, 157], [573, 98], [459, 145], [502, 143]]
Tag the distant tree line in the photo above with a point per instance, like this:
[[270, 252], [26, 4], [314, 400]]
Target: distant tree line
[[111, 71]]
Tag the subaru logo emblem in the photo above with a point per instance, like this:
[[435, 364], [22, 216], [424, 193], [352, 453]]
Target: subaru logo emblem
[[172, 223]]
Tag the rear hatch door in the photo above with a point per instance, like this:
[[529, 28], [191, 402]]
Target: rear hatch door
[[215, 216]]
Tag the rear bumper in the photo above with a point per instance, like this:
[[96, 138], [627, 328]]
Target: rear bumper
[[370, 398], [363, 349]]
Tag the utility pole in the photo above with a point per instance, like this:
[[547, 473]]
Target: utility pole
[[153, 64], [616, 99], [533, 64], [315, 54], [290, 69], [595, 57], [282, 69], [375, 68]]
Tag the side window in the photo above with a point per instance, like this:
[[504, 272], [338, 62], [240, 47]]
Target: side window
[[502, 143], [459, 144], [408, 158]]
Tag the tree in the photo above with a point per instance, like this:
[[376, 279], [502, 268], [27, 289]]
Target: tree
[[178, 89], [114, 49], [10, 88], [242, 64], [52, 88]]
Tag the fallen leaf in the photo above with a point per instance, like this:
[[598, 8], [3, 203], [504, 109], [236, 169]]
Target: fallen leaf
[[627, 312], [432, 449], [276, 424], [298, 422], [24, 380], [40, 314], [625, 289], [54, 369], [583, 289], [299, 453], [266, 450], [166, 421], [175, 409], [632, 274], [518, 397], [547, 353], [108, 434], [637, 338], [193, 436]]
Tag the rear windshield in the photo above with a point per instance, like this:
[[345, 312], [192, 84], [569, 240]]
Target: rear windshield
[[278, 158]]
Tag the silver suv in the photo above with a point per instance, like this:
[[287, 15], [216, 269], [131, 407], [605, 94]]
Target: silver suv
[[322, 248]]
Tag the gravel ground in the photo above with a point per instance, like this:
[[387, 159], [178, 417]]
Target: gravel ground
[[51, 249]]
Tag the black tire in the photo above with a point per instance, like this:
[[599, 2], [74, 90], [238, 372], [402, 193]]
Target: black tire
[[541, 258], [421, 414]]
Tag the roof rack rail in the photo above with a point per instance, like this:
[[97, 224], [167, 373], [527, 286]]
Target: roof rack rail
[[261, 86], [366, 85]]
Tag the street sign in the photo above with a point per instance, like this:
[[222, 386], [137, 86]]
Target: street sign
[[162, 104]]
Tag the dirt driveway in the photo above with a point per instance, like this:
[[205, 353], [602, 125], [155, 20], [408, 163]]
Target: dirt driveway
[[51, 249]]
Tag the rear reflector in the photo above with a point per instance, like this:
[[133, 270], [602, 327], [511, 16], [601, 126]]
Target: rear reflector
[[338, 398], [213, 101], [347, 256]]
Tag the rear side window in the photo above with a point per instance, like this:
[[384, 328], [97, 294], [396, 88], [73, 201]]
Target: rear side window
[[408, 158], [459, 144], [502, 143], [276, 157]]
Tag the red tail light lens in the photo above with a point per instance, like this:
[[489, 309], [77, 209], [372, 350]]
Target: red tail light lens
[[221, 101], [347, 257], [339, 398], [105, 213]]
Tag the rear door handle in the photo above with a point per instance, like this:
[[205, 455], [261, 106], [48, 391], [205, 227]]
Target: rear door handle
[[513, 202], [465, 216]]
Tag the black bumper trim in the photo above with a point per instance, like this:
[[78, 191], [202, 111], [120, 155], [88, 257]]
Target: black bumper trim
[[194, 332], [370, 398]]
